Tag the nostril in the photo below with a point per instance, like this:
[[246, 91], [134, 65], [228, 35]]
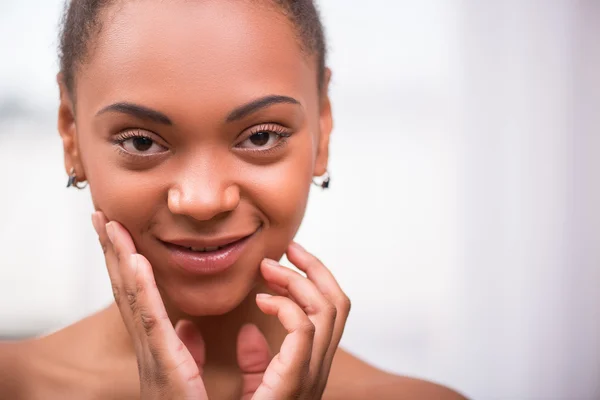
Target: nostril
[[203, 202]]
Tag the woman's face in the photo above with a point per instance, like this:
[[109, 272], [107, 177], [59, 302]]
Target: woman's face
[[198, 124]]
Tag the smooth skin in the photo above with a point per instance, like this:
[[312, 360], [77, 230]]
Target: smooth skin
[[201, 120]]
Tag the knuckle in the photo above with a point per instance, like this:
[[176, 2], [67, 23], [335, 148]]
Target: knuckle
[[132, 299], [148, 320], [331, 311], [345, 305], [140, 288], [308, 328]]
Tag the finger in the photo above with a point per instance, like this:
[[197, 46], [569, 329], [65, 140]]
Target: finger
[[253, 357], [121, 240], [114, 271], [162, 357], [324, 280], [149, 320], [166, 355], [318, 309], [191, 337], [320, 275], [124, 264], [99, 221], [278, 290], [288, 370]]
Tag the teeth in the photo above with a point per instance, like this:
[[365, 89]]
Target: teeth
[[205, 249]]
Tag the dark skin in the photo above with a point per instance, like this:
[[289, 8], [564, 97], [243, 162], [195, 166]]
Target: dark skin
[[233, 128]]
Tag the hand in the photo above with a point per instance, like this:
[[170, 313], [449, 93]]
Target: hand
[[171, 360], [314, 310], [168, 369]]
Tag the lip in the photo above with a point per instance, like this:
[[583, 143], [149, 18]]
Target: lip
[[209, 262], [209, 242]]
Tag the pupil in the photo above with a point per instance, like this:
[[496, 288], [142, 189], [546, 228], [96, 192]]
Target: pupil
[[142, 143], [260, 138]]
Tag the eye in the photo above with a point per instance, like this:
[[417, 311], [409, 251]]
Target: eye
[[264, 138], [138, 143]]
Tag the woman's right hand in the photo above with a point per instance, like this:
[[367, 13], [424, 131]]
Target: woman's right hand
[[168, 368]]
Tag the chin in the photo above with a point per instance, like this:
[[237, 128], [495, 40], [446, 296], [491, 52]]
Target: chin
[[208, 298]]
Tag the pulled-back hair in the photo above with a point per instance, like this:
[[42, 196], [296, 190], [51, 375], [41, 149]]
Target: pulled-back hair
[[81, 23]]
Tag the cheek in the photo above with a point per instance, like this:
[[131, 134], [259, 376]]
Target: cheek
[[130, 199], [280, 192]]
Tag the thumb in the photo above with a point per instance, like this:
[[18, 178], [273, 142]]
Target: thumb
[[191, 337], [254, 356]]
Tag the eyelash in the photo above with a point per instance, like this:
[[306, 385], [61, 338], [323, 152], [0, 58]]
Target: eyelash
[[282, 133], [130, 134]]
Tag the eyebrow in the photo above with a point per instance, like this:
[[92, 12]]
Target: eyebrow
[[146, 113], [258, 104], [137, 111]]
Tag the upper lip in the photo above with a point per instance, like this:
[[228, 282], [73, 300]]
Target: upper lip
[[199, 243]]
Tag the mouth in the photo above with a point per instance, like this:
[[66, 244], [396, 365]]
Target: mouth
[[207, 249], [207, 256]]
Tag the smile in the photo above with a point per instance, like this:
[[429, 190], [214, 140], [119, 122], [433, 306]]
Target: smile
[[207, 256]]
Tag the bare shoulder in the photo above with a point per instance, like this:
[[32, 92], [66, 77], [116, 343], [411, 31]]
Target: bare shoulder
[[66, 364], [354, 379], [26, 371], [13, 369]]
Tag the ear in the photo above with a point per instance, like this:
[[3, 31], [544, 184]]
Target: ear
[[68, 130], [325, 127]]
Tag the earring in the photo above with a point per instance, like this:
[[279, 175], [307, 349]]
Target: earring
[[324, 183], [73, 180]]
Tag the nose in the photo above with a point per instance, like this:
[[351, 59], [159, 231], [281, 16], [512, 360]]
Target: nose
[[203, 195]]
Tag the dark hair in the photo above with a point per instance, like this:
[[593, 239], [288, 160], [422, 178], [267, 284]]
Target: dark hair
[[81, 22]]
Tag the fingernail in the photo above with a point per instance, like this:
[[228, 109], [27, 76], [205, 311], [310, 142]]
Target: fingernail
[[297, 246], [110, 230], [263, 296], [95, 222], [271, 263]]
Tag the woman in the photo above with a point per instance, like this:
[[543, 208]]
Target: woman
[[199, 126]]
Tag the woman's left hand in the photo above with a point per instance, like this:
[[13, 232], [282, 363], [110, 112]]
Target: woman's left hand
[[313, 310]]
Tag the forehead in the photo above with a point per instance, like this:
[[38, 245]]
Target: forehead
[[194, 51]]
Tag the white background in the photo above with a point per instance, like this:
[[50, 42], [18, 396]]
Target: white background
[[462, 219]]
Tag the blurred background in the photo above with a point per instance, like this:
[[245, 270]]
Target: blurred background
[[463, 218]]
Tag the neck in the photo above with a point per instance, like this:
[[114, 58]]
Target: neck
[[220, 332]]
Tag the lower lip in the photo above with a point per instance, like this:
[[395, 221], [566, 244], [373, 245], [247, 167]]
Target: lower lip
[[210, 262]]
